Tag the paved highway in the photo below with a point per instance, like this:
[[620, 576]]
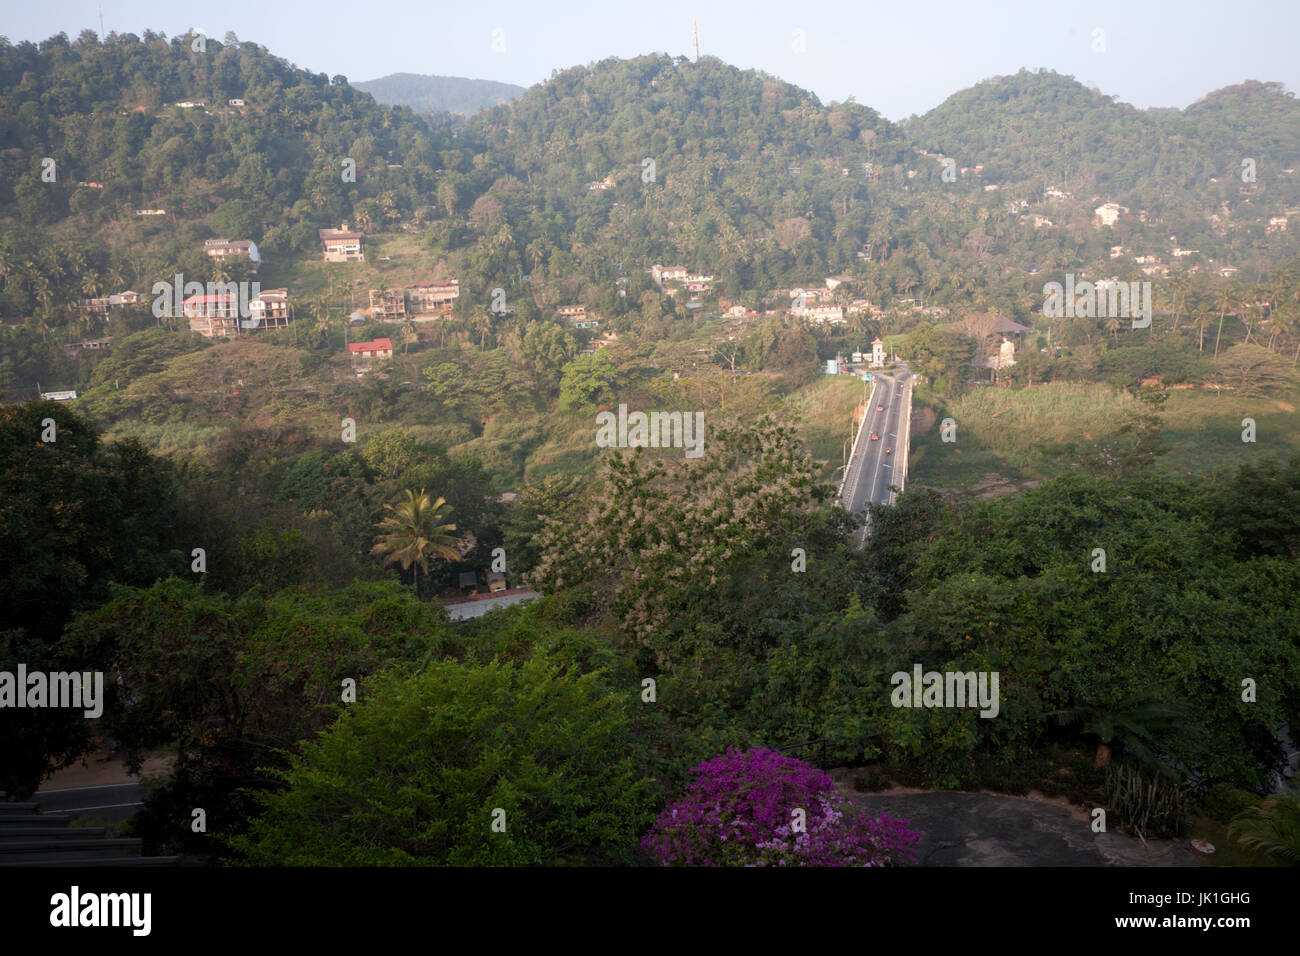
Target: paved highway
[[880, 463]]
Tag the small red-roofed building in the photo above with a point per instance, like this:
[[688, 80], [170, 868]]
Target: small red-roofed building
[[366, 352]]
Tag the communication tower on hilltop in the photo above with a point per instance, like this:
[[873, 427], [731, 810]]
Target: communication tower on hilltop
[[695, 39]]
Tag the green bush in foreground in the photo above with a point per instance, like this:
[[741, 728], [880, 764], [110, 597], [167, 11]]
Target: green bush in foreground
[[1225, 801], [414, 775]]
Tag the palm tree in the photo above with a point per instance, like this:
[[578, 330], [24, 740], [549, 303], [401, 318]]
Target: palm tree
[[416, 528], [1178, 296], [1272, 828], [1133, 723], [319, 309], [408, 332], [90, 284], [1202, 317], [536, 253], [1227, 298]]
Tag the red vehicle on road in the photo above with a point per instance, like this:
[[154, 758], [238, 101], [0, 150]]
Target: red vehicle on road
[[875, 437]]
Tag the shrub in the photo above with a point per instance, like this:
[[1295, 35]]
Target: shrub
[[416, 771], [1225, 801], [1272, 829], [744, 810], [1149, 807]]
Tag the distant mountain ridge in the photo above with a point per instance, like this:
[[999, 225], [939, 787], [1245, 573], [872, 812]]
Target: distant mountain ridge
[[426, 94]]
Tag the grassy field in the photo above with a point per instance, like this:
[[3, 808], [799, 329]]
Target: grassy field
[[825, 409], [310, 277], [1012, 433]]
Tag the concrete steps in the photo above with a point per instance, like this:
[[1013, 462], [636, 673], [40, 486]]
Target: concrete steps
[[105, 861], [15, 820], [31, 838], [8, 833], [37, 851]]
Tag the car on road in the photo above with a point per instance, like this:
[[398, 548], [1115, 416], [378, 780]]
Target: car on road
[[875, 437], [889, 451], [880, 408]]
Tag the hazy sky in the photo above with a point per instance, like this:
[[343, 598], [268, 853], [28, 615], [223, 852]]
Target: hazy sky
[[899, 57]]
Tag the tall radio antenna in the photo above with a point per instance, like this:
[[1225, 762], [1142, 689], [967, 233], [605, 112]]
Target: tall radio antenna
[[695, 39], [101, 21]]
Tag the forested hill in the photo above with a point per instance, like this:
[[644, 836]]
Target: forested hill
[[108, 115], [1050, 128], [431, 94], [657, 158], [606, 169]]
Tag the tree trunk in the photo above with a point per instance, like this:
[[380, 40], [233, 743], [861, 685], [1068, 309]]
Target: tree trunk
[[1103, 755]]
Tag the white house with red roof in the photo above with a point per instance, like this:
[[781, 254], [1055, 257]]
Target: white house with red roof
[[369, 351]]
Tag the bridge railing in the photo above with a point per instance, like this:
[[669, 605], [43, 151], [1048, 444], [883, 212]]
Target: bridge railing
[[848, 468]]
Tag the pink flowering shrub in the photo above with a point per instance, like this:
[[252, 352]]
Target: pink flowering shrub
[[740, 812]]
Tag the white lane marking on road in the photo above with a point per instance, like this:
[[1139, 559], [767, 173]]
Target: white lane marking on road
[[875, 478], [101, 786]]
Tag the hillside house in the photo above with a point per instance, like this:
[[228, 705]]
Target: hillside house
[[90, 345], [603, 341], [270, 310], [364, 353], [821, 314], [225, 248], [191, 104], [104, 303], [236, 101], [98, 304], [1276, 224], [387, 304], [1107, 214], [662, 274], [997, 338], [433, 298], [342, 245], [212, 316]]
